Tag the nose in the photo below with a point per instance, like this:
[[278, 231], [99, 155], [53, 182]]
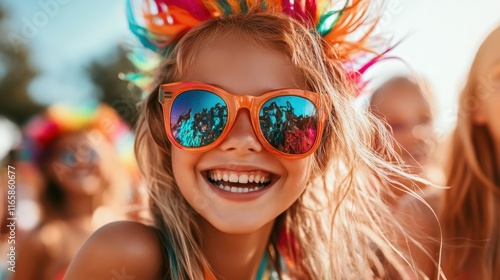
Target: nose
[[241, 137]]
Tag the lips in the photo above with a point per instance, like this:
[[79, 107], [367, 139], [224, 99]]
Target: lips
[[239, 181]]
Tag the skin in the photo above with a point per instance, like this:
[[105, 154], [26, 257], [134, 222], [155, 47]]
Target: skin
[[46, 252], [235, 232], [75, 167], [409, 116]]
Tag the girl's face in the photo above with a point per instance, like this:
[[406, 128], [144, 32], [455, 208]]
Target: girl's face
[[240, 68], [410, 118], [75, 164], [488, 112]]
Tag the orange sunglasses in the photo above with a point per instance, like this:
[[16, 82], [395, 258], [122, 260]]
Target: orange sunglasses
[[199, 116]]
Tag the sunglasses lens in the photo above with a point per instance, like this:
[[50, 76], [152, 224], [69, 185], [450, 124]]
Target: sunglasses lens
[[289, 124], [197, 118]]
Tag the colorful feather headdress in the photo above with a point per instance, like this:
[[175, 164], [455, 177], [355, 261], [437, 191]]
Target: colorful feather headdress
[[166, 21]]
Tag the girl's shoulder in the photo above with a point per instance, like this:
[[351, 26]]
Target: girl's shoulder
[[120, 250]]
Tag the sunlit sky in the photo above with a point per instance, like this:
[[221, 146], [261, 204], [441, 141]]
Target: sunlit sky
[[443, 36]]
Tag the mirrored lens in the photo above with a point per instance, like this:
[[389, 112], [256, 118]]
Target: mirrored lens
[[289, 123], [197, 118]]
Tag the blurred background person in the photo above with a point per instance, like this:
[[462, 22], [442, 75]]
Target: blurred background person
[[408, 108], [469, 211], [82, 154]]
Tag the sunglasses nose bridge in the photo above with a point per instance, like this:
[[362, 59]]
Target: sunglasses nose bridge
[[244, 101]]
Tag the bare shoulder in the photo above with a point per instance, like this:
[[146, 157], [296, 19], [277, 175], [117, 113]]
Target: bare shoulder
[[424, 207], [120, 250], [33, 256], [420, 214]]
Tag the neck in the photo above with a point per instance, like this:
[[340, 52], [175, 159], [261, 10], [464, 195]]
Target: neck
[[79, 208], [234, 256]]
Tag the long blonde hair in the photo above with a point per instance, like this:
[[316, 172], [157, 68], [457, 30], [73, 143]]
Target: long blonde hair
[[470, 211], [339, 223]]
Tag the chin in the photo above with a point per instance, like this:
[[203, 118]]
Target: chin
[[234, 225]]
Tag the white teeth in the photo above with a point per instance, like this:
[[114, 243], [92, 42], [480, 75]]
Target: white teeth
[[243, 179], [233, 178], [257, 178], [238, 190]]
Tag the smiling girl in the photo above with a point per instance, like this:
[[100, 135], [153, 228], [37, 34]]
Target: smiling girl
[[258, 163]]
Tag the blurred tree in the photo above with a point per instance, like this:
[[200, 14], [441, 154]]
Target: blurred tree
[[114, 91], [15, 75]]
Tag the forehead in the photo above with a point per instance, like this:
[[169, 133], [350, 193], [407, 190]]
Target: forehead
[[400, 99], [72, 140], [240, 65]]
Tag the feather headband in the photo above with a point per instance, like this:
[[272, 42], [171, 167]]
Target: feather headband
[[166, 21]]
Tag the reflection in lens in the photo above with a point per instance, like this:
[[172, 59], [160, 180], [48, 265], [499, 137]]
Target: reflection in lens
[[289, 123], [197, 118]]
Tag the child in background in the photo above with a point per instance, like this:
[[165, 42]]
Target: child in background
[[86, 183], [407, 108], [257, 162], [469, 211]]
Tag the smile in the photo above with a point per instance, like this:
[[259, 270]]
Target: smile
[[239, 182]]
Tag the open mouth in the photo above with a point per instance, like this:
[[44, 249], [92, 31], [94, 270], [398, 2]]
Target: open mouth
[[239, 182]]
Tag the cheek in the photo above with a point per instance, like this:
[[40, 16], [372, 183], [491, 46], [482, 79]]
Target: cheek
[[299, 170], [184, 170]]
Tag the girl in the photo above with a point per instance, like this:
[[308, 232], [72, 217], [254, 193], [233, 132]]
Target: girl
[[73, 148], [241, 195], [407, 107], [469, 211]]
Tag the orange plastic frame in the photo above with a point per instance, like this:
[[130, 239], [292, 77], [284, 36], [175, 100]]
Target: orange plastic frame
[[235, 102]]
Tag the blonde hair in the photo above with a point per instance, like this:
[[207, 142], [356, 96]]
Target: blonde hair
[[470, 208], [339, 224]]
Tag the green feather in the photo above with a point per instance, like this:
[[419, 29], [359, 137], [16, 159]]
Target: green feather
[[328, 21]]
